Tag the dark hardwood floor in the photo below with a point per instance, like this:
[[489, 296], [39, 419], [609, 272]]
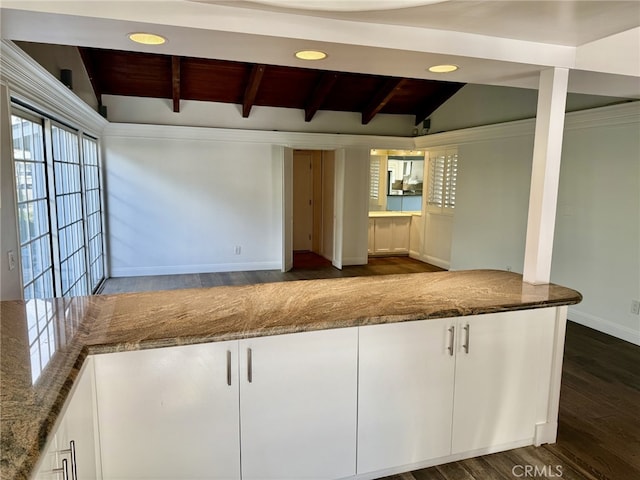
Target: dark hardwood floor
[[599, 421], [305, 268]]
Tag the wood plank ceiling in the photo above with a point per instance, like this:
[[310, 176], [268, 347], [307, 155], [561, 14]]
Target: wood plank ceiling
[[182, 78]]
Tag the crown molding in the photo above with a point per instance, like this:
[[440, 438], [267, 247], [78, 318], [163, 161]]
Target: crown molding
[[32, 84], [301, 140], [614, 115]]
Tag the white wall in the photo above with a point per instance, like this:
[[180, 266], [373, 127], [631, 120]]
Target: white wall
[[597, 240], [356, 206], [226, 115], [176, 205], [474, 105], [492, 198], [10, 280], [438, 234]]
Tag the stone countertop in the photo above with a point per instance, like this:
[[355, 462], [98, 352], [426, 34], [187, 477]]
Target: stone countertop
[[393, 213], [81, 326]]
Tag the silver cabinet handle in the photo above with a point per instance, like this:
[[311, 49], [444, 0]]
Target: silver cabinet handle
[[228, 367], [64, 469], [466, 338], [249, 366], [452, 332], [72, 452], [74, 467]]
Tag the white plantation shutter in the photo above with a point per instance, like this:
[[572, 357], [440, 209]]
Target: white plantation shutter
[[450, 179], [436, 181], [374, 185], [443, 177]]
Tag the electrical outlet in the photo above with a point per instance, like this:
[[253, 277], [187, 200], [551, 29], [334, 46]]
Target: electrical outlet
[[11, 256], [508, 268], [635, 307], [237, 250]]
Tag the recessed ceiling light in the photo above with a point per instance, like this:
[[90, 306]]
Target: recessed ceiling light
[[147, 38], [311, 55], [443, 68]]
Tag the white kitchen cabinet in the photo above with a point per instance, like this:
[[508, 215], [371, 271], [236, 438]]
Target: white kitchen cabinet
[[298, 401], [170, 413], [390, 235], [405, 398], [428, 392], [371, 237], [79, 426], [497, 377], [327, 404], [49, 462], [181, 419], [72, 446]]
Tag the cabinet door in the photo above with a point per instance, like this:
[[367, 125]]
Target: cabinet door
[[49, 462], [169, 413], [497, 378], [298, 400], [78, 426], [405, 397], [371, 237], [383, 230], [401, 231]]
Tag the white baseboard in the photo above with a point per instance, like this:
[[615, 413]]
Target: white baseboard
[[441, 460], [545, 433], [438, 262], [355, 261], [186, 269], [605, 326]]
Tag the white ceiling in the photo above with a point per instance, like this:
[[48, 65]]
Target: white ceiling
[[562, 22], [494, 42]]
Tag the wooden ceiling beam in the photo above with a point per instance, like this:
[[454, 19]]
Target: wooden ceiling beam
[[386, 93], [175, 82], [251, 91], [320, 94]]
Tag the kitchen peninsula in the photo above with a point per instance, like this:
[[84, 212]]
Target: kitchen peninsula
[[311, 368]]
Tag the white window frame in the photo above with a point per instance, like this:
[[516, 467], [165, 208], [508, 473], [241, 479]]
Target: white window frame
[[23, 111]]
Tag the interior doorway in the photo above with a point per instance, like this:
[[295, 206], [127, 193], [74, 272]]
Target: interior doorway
[[312, 204]]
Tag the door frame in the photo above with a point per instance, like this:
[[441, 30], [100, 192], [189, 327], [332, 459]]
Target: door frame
[[285, 157]]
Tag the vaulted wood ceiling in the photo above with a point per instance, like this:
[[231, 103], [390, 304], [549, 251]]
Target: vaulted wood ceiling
[[182, 78]]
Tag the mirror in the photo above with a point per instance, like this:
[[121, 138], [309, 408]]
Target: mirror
[[396, 182]]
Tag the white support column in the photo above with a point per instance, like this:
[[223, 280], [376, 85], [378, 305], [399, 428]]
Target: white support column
[[545, 175]]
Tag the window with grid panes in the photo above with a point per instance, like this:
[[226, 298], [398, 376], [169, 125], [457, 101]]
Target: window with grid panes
[[33, 207], [69, 212], [93, 212], [59, 208]]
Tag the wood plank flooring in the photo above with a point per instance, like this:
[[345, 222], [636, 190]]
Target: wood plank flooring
[[599, 421], [376, 266]]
